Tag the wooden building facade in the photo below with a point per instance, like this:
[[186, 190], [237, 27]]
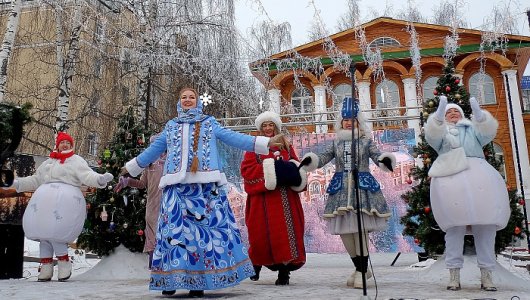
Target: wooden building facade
[[394, 100]]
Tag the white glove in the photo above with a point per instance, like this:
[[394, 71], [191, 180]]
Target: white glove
[[478, 115], [104, 178], [440, 112]]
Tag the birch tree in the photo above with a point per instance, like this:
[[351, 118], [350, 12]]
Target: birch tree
[[8, 43], [66, 66]]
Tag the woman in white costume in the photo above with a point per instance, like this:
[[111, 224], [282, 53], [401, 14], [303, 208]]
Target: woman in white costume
[[56, 212], [467, 194]]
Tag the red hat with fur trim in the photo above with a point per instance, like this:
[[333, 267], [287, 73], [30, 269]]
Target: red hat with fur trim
[[63, 136]]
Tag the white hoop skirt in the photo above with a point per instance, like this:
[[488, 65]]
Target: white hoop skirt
[[475, 196], [56, 212]]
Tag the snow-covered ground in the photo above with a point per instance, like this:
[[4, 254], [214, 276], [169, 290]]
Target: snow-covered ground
[[124, 275]]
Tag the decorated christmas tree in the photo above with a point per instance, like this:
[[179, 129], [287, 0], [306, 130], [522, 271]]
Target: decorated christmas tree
[[12, 121], [419, 220], [117, 218]]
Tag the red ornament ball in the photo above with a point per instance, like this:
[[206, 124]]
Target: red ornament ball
[[100, 162], [427, 209], [435, 92], [517, 230], [521, 201], [409, 181], [447, 88], [417, 241], [457, 81], [140, 232]]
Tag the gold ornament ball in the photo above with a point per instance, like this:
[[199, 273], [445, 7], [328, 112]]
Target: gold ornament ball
[[431, 103], [427, 161], [458, 96], [111, 199], [425, 114]]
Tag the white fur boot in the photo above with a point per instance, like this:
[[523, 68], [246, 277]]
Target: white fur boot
[[454, 280], [351, 279], [65, 270], [486, 281], [45, 272], [358, 281]]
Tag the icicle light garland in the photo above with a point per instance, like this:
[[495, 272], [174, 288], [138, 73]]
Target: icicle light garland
[[416, 58]]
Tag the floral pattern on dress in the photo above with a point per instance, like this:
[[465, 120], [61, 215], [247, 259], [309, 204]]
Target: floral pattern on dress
[[199, 246]]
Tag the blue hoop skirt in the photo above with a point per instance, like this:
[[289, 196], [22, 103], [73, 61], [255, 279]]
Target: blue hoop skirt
[[198, 244]]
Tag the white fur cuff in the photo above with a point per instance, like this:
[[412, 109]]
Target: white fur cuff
[[269, 173], [392, 161], [435, 128], [314, 162], [488, 126], [133, 167], [262, 145]]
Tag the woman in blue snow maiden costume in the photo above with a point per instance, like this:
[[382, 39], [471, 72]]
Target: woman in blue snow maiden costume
[[198, 245]]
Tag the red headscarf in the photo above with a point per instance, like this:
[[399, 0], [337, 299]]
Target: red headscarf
[[62, 156]]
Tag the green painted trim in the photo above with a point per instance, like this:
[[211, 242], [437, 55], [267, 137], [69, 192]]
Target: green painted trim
[[326, 61]]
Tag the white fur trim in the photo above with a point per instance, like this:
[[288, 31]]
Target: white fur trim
[[133, 167], [269, 173], [435, 128], [198, 177], [303, 174], [452, 105], [314, 162], [392, 161], [268, 116], [488, 126], [261, 146]]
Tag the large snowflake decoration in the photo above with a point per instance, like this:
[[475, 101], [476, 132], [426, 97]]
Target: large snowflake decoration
[[206, 99]]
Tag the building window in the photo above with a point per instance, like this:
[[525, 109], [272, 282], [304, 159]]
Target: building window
[[126, 60], [98, 67], [94, 103], [124, 95], [302, 100], [154, 98], [481, 87], [387, 94], [428, 87], [93, 141], [340, 92], [383, 42], [99, 31], [526, 100], [499, 156]]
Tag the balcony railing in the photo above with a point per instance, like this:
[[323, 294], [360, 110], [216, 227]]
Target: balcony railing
[[395, 117]]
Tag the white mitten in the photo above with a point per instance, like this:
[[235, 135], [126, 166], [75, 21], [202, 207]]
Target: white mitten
[[478, 115], [440, 112], [104, 178]]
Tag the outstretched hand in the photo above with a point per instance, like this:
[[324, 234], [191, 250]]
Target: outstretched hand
[[305, 162], [277, 141], [478, 115], [440, 112], [122, 182], [123, 171], [387, 162]]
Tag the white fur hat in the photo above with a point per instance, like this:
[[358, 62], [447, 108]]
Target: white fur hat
[[452, 105], [269, 116]]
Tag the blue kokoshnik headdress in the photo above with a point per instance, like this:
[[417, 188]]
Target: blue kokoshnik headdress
[[350, 108]]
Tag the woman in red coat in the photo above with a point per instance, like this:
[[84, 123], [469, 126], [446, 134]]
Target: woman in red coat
[[274, 215]]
